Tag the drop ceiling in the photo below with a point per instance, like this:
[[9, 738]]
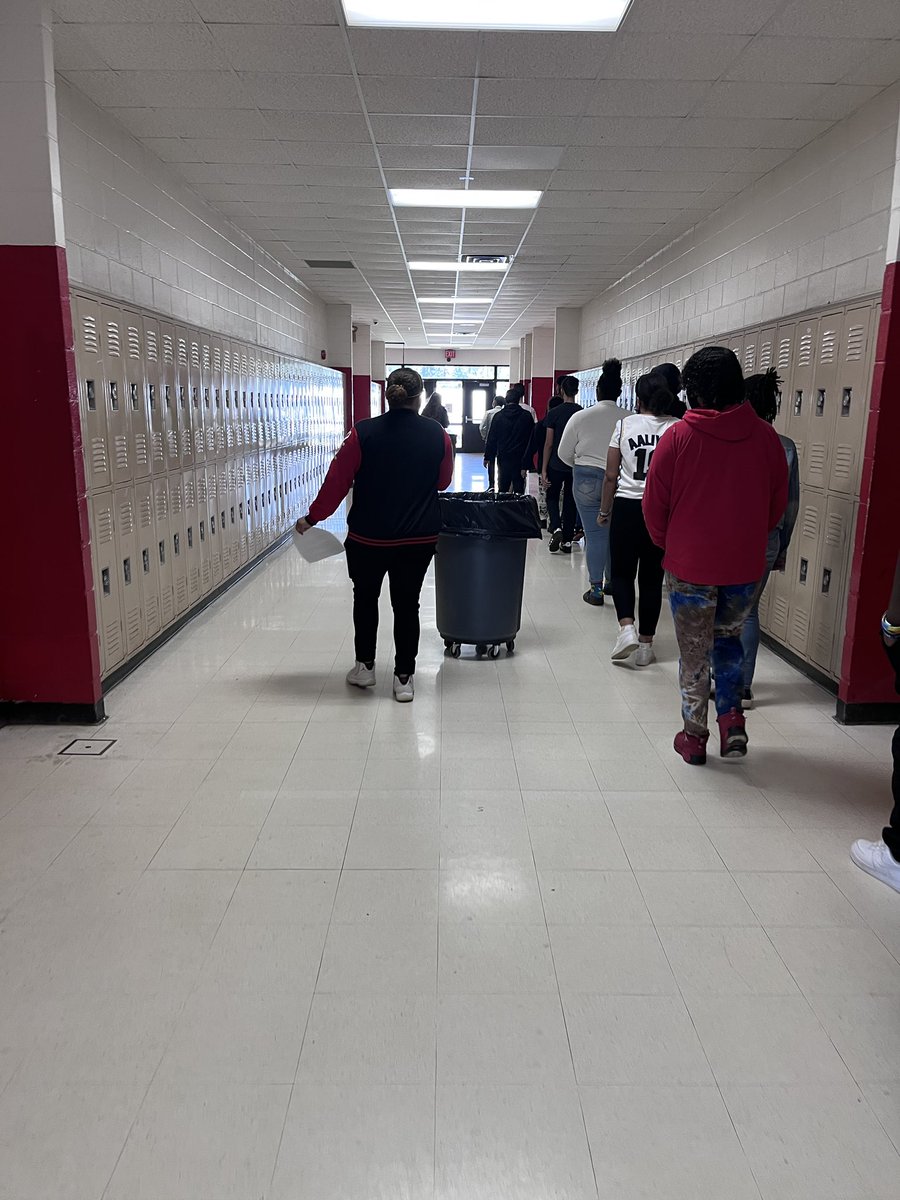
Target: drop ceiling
[[294, 127]]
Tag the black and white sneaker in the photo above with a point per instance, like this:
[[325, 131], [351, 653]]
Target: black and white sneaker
[[555, 541], [566, 547]]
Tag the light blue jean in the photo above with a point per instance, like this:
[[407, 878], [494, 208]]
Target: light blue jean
[[588, 490]]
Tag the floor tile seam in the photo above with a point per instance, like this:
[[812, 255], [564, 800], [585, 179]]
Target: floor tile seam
[[894, 953]]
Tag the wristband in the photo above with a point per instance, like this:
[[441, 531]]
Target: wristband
[[605, 514]]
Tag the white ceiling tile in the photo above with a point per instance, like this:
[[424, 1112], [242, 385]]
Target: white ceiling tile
[[328, 154], [414, 52], [545, 55], [880, 67], [541, 98], [799, 59], [303, 93], [629, 181], [644, 97], [103, 11], [421, 131], [521, 158], [675, 56], [269, 12], [834, 102], [303, 49], [197, 122], [345, 177], [625, 131], [526, 131], [316, 127], [184, 89], [700, 16], [366, 196], [423, 158], [229, 150], [831, 18], [157, 46], [74, 50], [390, 95], [747, 99], [104, 88], [752, 134]]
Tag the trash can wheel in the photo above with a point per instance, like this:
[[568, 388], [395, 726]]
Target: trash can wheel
[[481, 649], [454, 649], [494, 651], [511, 646]]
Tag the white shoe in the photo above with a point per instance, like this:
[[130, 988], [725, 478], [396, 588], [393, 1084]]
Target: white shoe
[[645, 655], [626, 644], [875, 859], [360, 676], [404, 692]]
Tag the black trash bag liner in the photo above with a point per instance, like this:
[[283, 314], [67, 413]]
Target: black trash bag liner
[[489, 515]]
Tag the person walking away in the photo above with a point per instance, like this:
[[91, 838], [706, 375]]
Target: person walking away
[[762, 392], [672, 377], [557, 475], [882, 859], [436, 411], [584, 446], [485, 428], [533, 459], [632, 551], [396, 464], [508, 439], [717, 486]]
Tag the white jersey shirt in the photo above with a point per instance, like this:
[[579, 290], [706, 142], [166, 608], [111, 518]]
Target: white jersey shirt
[[636, 437]]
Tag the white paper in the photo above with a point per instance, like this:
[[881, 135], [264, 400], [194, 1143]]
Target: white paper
[[316, 544]]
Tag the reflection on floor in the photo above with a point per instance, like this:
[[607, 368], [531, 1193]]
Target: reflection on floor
[[289, 942]]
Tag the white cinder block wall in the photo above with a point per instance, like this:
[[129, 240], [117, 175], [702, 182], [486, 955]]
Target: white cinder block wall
[[811, 232], [136, 233]]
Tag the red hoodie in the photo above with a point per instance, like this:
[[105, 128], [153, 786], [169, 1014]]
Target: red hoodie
[[718, 482]]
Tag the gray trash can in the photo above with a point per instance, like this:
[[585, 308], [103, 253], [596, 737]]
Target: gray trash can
[[480, 569]]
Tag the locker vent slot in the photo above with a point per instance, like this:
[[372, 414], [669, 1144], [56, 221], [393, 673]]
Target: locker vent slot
[[843, 462], [168, 345], [828, 346], [99, 460], [749, 359], [765, 356], [103, 526], [206, 359], [810, 524], [818, 453], [799, 625], [856, 343], [113, 340], [834, 531], [126, 519], [182, 352], [804, 356], [195, 355], [134, 342], [89, 339], [217, 360], [151, 343], [121, 452]]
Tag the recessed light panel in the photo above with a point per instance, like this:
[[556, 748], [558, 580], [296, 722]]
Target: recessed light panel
[[463, 198], [450, 300], [448, 321], [452, 265], [576, 15]]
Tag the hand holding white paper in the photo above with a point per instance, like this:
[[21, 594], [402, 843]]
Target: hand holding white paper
[[316, 544]]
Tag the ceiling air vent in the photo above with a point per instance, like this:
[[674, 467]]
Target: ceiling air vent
[[330, 264], [487, 258]]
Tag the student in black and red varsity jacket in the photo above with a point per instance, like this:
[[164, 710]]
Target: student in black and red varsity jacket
[[396, 464]]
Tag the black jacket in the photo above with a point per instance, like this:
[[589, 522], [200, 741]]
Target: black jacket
[[509, 434], [395, 490]]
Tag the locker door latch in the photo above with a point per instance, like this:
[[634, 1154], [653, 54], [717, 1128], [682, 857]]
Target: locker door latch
[[804, 569], [798, 403], [826, 581], [820, 403], [846, 401]]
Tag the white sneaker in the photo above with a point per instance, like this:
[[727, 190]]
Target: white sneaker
[[626, 644], [404, 692], [361, 676], [875, 859], [645, 655]]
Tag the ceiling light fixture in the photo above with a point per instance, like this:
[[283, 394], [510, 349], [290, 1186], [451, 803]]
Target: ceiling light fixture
[[449, 321], [450, 300], [459, 198], [452, 265], [576, 15]]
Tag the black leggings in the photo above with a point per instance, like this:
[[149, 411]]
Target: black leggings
[[405, 567], [509, 471], [560, 486], [633, 553]]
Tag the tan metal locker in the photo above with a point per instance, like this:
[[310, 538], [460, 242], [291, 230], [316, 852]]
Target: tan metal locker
[[243, 519], [214, 542], [111, 340], [128, 566], [168, 383], [800, 396], [831, 580], [136, 397], [92, 393], [106, 580], [852, 387], [203, 531], [749, 354], [737, 345], [778, 611], [177, 542], [764, 603], [192, 535], [807, 537], [821, 409], [183, 407], [164, 550], [766, 349], [155, 403], [228, 386], [233, 539], [199, 420], [784, 364], [148, 560], [222, 510]]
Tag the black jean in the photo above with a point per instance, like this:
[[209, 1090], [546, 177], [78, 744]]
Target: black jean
[[405, 567], [509, 475], [891, 833], [633, 554], [561, 485]]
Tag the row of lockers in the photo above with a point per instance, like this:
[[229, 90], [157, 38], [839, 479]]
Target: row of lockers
[[183, 494], [825, 362], [156, 396]]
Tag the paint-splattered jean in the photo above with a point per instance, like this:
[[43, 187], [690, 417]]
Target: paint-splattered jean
[[708, 623]]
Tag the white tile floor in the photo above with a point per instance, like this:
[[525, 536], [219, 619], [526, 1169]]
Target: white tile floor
[[292, 943]]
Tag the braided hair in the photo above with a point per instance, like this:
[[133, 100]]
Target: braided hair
[[762, 391], [713, 379]]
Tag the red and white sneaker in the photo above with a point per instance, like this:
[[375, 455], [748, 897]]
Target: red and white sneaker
[[733, 734], [692, 747]]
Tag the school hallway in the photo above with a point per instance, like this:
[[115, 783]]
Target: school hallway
[[289, 940]]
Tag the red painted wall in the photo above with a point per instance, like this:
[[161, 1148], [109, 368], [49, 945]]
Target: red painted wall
[[362, 397], [348, 397], [865, 675], [541, 391], [49, 651]]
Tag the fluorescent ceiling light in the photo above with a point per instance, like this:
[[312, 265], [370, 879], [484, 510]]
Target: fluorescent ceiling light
[[577, 15], [462, 198], [450, 300], [448, 321], [452, 265]]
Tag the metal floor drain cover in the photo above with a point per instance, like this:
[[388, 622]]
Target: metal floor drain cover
[[92, 747]]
